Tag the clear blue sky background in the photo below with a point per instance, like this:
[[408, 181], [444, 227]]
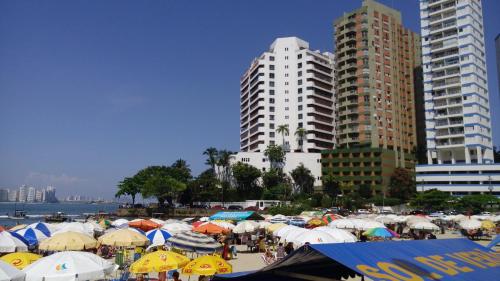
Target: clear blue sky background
[[92, 91]]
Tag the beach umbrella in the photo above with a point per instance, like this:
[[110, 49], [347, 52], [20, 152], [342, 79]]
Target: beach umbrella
[[246, 227], [194, 242], [159, 261], [12, 242], [344, 223], [119, 223], [297, 221], [46, 228], [470, 224], [74, 227], [145, 225], [94, 226], [385, 220], [210, 228], [275, 227], [414, 219], [340, 235], [69, 266], [314, 237], [17, 227], [104, 223], [488, 225], [424, 225], [459, 218], [123, 238], [292, 235], [283, 231], [176, 227], [32, 235], [68, 241], [264, 224], [197, 223], [207, 265], [223, 224], [157, 236], [20, 260], [367, 224], [157, 221], [315, 222], [328, 218], [496, 218], [380, 232], [10, 273], [279, 218]]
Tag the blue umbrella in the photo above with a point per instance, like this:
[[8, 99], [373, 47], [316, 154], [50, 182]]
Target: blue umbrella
[[42, 227], [158, 236], [33, 236]]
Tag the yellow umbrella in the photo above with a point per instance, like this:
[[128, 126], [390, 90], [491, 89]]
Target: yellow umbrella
[[20, 260], [487, 224], [276, 226], [68, 241], [207, 265], [124, 238], [159, 261], [18, 227], [315, 222]]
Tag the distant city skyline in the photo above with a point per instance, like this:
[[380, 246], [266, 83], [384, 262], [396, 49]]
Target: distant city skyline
[[89, 96]]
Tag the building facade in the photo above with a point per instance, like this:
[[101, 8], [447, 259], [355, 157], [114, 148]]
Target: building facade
[[292, 160], [458, 125], [23, 193], [4, 195], [455, 82], [497, 52], [289, 85], [376, 58]]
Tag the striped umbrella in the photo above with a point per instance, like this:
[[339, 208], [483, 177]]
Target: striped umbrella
[[32, 235], [12, 242], [43, 227], [380, 232], [194, 242], [157, 236], [328, 218]]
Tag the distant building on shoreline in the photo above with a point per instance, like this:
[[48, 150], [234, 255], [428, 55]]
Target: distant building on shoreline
[[30, 194]]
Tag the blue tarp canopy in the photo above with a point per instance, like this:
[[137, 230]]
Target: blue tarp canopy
[[237, 216], [494, 242], [422, 260]]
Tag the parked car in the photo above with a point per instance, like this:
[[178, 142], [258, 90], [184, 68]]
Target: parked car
[[235, 207]]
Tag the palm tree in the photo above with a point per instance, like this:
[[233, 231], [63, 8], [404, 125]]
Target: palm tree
[[283, 130], [301, 133], [211, 153]]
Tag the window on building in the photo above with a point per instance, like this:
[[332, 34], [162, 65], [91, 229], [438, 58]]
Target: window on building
[[286, 57], [301, 125], [271, 92], [286, 49], [271, 126], [271, 66], [299, 82], [300, 107], [300, 99], [299, 56], [271, 100], [300, 116], [271, 75], [299, 73], [286, 83], [286, 108], [271, 134], [286, 117], [299, 65], [271, 58], [286, 74], [271, 84], [271, 109], [271, 117], [300, 90], [287, 100]]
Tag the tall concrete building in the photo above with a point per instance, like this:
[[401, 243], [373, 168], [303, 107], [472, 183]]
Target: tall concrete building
[[23, 193], [30, 197], [288, 85], [376, 58], [459, 137], [4, 195], [13, 195], [497, 51]]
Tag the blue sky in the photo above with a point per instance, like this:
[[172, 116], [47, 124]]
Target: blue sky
[[92, 91]]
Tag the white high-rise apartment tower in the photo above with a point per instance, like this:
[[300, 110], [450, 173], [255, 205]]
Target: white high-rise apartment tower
[[458, 125], [288, 85], [455, 82]]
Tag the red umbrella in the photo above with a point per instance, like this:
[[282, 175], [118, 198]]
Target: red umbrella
[[197, 223], [145, 225]]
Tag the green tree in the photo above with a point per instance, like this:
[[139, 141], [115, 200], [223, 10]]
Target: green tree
[[281, 191], [246, 177], [330, 186], [432, 200], [163, 187], [212, 156], [128, 186], [283, 130], [402, 184], [180, 171], [326, 201], [204, 187], [301, 133], [276, 156], [365, 191], [477, 203], [272, 177], [303, 179]]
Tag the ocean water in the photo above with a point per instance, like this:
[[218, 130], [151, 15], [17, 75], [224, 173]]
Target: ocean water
[[37, 211]]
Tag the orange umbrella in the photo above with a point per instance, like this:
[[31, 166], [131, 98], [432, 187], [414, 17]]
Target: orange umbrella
[[145, 225], [210, 228]]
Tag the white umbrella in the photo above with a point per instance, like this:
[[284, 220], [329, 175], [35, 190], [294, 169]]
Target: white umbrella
[[12, 242], [177, 227], [340, 235], [32, 235], [10, 273], [158, 221], [314, 237], [223, 224], [245, 227], [367, 224], [496, 218], [459, 218], [264, 224], [346, 223], [414, 219], [385, 220], [46, 228], [470, 224], [293, 235], [424, 225], [94, 226], [69, 266], [194, 242], [283, 231], [120, 223], [75, 227]]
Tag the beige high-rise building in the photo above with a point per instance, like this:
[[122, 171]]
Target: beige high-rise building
[[376, 58]]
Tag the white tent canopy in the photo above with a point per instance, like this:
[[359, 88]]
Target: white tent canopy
[[10, 273]]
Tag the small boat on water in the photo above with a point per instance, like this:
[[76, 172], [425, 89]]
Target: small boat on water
[[56, 217], [18, 215]]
